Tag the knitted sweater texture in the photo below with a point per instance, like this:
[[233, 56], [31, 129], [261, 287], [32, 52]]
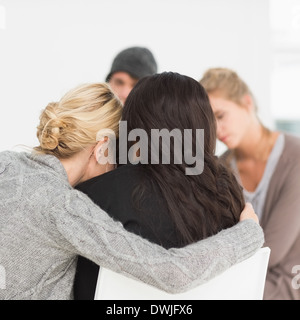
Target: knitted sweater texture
[[45, 224]]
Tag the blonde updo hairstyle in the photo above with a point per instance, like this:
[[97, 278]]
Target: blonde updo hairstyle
[[227, 83], [70, 125]]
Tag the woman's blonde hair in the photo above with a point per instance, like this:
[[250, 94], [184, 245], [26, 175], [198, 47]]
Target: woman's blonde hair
[[227, 83], [70, 125]]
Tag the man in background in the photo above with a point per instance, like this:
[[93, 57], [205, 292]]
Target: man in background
[[128, 67]]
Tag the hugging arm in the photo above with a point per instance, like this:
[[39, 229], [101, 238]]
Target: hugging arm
[[88, 231]]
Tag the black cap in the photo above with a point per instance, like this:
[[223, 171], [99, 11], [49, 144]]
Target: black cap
[[136, 61]]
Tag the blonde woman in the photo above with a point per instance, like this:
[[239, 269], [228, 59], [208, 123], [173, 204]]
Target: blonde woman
[[267, 164], [45, 223]]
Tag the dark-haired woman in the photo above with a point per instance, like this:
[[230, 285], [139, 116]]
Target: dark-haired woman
[[160, 201]]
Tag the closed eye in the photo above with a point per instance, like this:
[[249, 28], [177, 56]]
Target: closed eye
[[220, 116]]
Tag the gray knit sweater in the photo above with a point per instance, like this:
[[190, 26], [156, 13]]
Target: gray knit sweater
[[45, 224]]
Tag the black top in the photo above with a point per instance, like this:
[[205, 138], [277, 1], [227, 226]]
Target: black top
[[118, 192]]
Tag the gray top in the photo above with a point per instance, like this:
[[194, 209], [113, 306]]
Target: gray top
[[257, 197], [45, 224]]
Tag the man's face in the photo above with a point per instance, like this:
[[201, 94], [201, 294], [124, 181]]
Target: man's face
[[122, 83]]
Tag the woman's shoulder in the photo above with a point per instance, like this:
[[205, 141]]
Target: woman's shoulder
[[10, 155], [13, 163], [291, 139], [292, 146], [117, 179], [226, 157]]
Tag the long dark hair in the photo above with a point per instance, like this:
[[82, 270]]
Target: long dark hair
[[199, 205]]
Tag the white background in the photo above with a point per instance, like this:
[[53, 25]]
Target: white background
[[49, 46]]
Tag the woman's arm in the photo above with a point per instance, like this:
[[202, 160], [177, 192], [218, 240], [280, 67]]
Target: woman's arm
[[89, 231]]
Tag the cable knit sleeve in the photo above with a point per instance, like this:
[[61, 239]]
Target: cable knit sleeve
[[87, 230]]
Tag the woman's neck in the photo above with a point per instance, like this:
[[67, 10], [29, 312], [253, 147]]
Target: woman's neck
[[76, 166], [257, 145]]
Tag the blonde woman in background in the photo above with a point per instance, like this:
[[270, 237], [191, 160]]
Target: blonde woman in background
[[45, 223], [267, 164]]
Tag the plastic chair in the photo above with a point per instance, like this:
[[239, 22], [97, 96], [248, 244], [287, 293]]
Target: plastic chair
[[243, 281]]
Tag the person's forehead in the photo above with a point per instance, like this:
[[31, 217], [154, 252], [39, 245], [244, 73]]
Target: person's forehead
[[124, 76]]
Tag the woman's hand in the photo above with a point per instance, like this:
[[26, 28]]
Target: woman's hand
[[248, 213]]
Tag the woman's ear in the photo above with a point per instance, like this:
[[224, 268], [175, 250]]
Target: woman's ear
[[248, 103], [100, 149]]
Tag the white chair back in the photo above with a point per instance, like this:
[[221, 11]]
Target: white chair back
[[242, 281]]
